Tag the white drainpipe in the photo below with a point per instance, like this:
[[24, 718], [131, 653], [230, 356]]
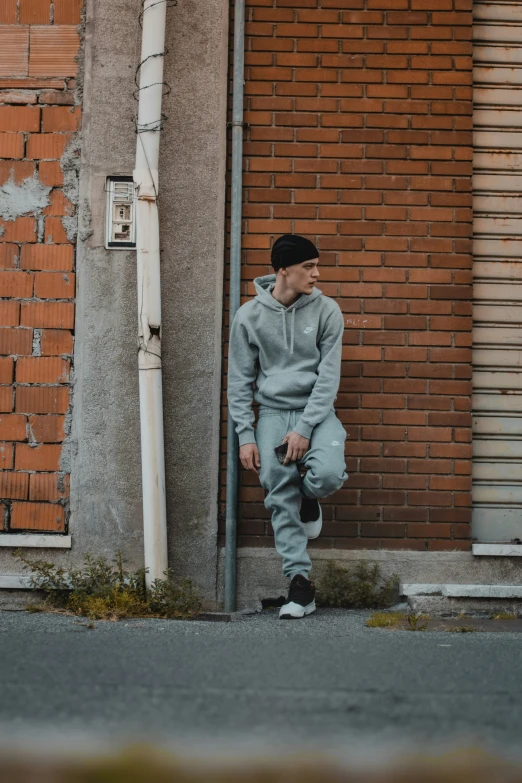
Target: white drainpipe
[[149, 288]]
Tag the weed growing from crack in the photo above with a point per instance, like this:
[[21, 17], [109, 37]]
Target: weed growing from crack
[[514, 614], [398, 621], [386, 620], [418, 622], [363, 587], [34, 608], [106, 590]]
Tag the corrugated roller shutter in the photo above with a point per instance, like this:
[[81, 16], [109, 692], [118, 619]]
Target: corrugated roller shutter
[[497, 336]]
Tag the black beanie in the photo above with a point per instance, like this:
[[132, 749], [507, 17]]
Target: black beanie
[[292, 249]]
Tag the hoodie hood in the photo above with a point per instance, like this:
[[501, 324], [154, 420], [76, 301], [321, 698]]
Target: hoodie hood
[[264, 287]]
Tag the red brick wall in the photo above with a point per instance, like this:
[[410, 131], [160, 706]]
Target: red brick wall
[[39, 47], [359, 137]]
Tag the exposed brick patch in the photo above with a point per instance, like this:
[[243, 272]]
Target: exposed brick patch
[[53, 51], [67, 11], [13, 427], [54, 231], [39, 44], [14, 51], [51, 173], [51, 315], [14, 486], [6, 399], [47, 146], [32, 84], [16, 342], [42, 458], [42, 370], [60, 118], [9, 314], [56, 342], [35, 11], [17, 96], [16, 170], [47, 429], [359, 136], [42, 399], [47, 257], [8, 11], [16, 284], [38, 516], [19, 118], [48, 486], [6, 370], [54, 285], [11, 145], [56, 97], [20, 230]]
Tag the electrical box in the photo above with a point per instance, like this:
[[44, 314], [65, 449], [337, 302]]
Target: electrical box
[[120, 225]]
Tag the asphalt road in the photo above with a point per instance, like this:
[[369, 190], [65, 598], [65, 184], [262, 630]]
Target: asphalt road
[[327, 679]]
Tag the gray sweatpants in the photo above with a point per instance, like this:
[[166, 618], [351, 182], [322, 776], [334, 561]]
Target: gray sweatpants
[[325, 475]]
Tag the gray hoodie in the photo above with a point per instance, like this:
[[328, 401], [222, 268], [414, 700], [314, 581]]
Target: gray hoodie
[[292, 353]]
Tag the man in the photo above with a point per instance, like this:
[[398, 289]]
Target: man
[[288, 341]]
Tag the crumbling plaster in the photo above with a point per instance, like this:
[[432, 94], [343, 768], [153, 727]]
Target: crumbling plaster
[[29, 197]]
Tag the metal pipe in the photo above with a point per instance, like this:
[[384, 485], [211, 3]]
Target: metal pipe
[[149, 288], [235, 291]]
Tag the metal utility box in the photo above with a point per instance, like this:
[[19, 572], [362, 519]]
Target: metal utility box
[[120, 223]]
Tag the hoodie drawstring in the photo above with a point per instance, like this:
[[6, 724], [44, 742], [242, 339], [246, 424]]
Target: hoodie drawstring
[[292, 330], [284, 329]]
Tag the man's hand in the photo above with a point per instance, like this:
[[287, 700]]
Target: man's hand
[[297, 447], [249, 456]]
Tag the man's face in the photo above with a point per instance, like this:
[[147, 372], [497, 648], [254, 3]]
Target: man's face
[[303, 277]]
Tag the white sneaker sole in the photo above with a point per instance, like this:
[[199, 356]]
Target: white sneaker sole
[[293, 611], [313, 529]]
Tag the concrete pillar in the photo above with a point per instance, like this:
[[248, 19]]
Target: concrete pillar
[[105, 455], [192, 215]]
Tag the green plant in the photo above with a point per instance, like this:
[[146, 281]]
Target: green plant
[[106, 590], [363, 587], [172, 600], [417, 622]]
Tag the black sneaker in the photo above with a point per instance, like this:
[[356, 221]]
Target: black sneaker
[[300, 601], [311, 517]]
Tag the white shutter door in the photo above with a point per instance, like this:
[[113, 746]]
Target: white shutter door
[[497, 248]]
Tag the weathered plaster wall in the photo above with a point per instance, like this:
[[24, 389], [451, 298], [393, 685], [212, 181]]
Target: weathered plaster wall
[[103, 449], [106, 478]]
